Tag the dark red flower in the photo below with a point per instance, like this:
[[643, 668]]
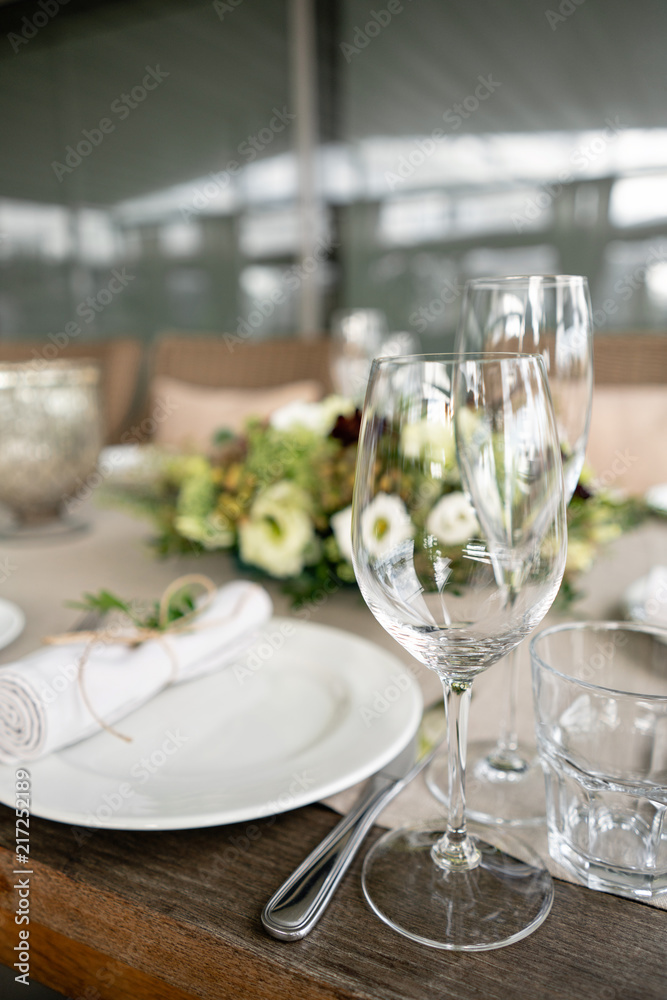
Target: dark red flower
[[346, 429]]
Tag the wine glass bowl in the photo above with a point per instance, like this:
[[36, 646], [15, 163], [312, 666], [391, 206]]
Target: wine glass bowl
[[458, 537], [403, 553], [356, 338], [549, 316]]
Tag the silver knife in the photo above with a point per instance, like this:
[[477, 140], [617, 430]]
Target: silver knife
[[295, 908]]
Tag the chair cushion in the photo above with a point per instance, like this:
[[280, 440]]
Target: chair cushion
[[187, 415], [627, 444]]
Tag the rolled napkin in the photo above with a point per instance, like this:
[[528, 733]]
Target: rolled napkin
[[43, 705]]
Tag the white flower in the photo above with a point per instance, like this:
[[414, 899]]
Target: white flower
[[279, 533], [341, 524], [385, 523], [580, 556], [452, 520], [317, 417], [213, 531], [334, 407], [429, 439]]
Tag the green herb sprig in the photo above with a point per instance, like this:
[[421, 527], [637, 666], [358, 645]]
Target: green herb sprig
[[182, 603]]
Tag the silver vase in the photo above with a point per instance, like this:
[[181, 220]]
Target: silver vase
[[50, 435]]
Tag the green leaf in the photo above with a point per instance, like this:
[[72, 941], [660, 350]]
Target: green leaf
[[182, 603], [103, 601]]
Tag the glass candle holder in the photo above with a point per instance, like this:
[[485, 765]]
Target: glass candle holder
[[50, 437]]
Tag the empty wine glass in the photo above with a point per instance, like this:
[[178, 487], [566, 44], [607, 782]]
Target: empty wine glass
[[549, 315], [356, 335], [466, 444]]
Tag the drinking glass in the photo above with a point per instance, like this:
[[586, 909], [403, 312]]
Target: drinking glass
[[549, 315], [450, 446], [600, 691]]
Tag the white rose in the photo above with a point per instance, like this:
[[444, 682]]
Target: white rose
[[452, 520], [341, 524], [580, 556], [317, 417], [429, 439], [279, 531], [385, 524], [213, 531]]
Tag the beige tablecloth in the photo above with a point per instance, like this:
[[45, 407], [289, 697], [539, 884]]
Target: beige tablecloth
[[41, 576]]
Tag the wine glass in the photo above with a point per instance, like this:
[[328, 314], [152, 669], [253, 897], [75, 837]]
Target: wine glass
[[548, 315], [458, 445], [356, 335]]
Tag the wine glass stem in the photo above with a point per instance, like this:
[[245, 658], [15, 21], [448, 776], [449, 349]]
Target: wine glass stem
[[505, 756], [508, 739], [455, 851]]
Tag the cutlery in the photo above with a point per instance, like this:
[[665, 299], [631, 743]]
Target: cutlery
[[296, 907]]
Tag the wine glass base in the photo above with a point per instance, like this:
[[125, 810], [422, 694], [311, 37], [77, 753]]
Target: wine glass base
[[505, 898], [495, 796]]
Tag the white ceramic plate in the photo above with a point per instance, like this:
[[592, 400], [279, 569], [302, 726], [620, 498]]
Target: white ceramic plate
[[12, 622], [307, 712]]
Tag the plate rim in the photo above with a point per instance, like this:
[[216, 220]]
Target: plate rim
[[17, 625], [228, 816]]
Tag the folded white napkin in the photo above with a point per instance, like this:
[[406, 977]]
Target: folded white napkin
[[41, 704]]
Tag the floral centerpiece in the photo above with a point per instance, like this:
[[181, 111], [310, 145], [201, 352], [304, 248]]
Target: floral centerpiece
[[279, 498]]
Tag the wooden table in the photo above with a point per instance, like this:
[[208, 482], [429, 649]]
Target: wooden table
[[176, 914]]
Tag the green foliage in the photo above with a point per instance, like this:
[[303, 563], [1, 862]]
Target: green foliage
[[277, 491], [182, 603]]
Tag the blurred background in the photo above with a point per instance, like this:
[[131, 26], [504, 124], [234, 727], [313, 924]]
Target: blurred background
[[251, 166]]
